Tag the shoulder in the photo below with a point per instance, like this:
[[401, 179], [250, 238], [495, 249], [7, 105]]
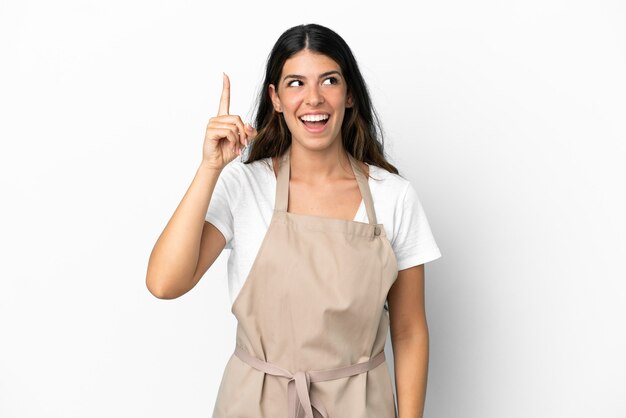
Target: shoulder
[[245, 181], [389, 185]]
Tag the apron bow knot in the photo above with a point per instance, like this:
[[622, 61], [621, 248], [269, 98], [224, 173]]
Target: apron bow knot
[[301, 401]]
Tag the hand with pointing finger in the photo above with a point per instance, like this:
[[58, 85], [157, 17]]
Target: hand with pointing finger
[[226, 134]]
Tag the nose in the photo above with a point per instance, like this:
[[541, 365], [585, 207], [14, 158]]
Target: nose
[[314, 96]]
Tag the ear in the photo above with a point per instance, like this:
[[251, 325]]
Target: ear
[[275, 98], [349, 101]]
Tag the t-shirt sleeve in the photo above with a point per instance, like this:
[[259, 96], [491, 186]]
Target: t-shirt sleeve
[[413, 241], [222, 203]]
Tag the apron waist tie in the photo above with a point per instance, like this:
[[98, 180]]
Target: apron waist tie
[[298, 394]]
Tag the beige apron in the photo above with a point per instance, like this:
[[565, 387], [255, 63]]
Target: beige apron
[[312, 325]]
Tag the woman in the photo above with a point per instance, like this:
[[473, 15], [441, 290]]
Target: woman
[[309, 279]]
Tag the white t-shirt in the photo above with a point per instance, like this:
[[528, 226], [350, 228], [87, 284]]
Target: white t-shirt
[[242, 204]]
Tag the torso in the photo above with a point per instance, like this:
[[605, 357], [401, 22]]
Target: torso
[[311, 322]]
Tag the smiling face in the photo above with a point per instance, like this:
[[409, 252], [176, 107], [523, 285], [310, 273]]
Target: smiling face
[[312, 95]]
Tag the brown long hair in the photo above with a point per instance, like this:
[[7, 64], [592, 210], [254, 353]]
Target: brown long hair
[[361, 130]]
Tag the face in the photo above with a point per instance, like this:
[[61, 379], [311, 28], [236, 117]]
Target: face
[[312, 96]]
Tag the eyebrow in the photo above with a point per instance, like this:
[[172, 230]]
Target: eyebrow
[[297, 76]]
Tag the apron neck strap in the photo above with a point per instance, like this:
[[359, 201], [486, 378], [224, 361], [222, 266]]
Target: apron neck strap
[[282, 185]]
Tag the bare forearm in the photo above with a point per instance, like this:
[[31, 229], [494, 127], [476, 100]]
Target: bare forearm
[[411, 370], [175, 255]]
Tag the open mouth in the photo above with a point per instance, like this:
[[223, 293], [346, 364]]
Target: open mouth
[[315, 123]]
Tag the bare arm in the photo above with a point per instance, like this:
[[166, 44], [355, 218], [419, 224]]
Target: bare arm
[[174, 267], [409, 337], [189, 245]]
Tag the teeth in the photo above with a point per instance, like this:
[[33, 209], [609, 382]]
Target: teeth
[[314, 118]]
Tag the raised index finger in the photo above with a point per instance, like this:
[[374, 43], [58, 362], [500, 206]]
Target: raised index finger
[[225, 99]]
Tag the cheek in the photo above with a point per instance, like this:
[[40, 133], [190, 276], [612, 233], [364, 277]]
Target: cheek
[[290, 101], [340, 98], [290, 105]]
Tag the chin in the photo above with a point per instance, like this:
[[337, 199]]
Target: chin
[[315, 143]]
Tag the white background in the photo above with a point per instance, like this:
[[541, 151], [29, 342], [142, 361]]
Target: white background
[[508, 117]]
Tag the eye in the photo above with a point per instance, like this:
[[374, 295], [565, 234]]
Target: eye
[[290, 84], [333, 80]]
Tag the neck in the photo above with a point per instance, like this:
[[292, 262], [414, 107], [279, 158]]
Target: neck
[[319, 166]]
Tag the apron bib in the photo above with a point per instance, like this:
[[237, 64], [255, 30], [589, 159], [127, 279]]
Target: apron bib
[[311, 325]]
